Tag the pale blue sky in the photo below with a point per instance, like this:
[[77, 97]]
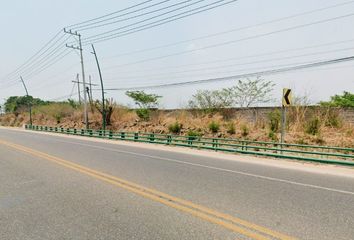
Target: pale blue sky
[[28, 24]]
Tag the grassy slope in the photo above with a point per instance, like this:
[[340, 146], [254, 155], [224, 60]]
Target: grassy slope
[[332, 130]]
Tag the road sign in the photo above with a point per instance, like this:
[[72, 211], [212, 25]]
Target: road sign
[[287, 97]]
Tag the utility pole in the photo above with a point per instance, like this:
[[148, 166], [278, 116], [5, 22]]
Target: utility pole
[[83, 70], [29, 104], [102, 89], [78, 87], [88, 91]]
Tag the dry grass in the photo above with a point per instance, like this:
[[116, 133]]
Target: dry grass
[[332, 130]]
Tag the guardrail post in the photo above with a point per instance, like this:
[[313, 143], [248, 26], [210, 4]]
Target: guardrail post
[[46, 128], [169, 139], [190, 140], [56, 129], [110, 134], [215, 143], [122, 135], [152, 137], [75, 131], [136, 136]]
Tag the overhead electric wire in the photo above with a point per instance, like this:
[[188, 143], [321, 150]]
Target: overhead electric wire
[[169, 74], [96, 38], [41, 59], [64, 97], [39, 63], [220, 73], [110, 14], [93, 25], [216, 74], [59, 57], [33, 56], [47, 57], [236, 41], [155, 16], [259, 73], [237, 29], [243, 57]]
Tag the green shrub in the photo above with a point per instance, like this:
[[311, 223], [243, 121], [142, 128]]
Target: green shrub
[[214, 127], [274, 121], [143, 114], [273, 136], [313, 126], [58, 117], [231, 128], [244, 130], [175, 128], [193, 135]]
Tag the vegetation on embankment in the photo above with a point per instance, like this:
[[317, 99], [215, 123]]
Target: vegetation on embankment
[[207, 116], [322, 126]]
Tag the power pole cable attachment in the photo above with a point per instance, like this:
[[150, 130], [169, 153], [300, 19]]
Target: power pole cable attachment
[[83, 71], [30, 103]]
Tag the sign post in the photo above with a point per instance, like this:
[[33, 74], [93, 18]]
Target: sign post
[[286, 102]]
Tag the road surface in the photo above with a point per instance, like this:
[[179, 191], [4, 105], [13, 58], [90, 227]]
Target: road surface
[[55, 187]]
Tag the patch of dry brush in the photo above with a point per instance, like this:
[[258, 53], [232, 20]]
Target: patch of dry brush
[[322, 126]]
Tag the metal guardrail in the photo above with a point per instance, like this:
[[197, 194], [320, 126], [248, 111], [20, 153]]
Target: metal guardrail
[[322, 154]]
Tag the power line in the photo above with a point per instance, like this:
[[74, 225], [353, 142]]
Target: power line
[[87, 26], [260, 73], [33, 56], [42, 59], [243, 57], [97, 38], [110, 14], [59, 57], [228, 72], [237, 40], [236, 29], [168, 74]]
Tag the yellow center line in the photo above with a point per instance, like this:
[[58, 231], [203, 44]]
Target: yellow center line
[[227, 221]]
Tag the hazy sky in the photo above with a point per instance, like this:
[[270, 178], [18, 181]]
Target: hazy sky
[[27, 25]]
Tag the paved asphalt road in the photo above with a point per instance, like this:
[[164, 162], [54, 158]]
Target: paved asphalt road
[[53, 187]]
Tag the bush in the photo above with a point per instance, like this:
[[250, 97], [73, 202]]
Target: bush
[[193, 135], [273, 136], [274, 121], [231, 128], [175, 128], [143, 114], [214, 127], [244, 130], [313, 126], [58, 117]]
